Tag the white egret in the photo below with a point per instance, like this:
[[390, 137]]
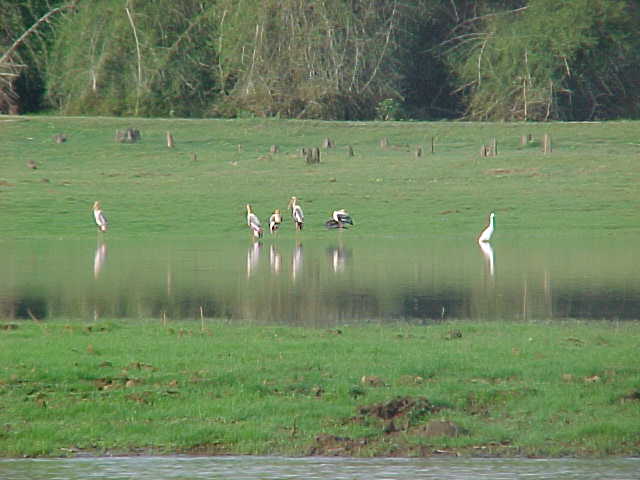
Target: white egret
[[485, 236]]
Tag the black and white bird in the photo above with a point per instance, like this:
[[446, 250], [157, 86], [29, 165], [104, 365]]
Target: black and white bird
[[275, 220], [296, 213], [100, 218], [485, 236], [254, 223], [338, 219]]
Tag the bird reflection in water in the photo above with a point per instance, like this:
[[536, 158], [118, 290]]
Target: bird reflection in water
[[99, 259], [338, 258], [275, 259], [253, 257], [296, 261], [487, 252]]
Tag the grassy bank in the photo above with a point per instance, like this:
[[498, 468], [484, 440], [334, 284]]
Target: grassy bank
[[490, 388], [200, 187]]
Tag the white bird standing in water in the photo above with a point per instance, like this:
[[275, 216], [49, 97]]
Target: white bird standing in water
[[485, 236], [254, 223], [296, 213], [98, 215], [274, 221]]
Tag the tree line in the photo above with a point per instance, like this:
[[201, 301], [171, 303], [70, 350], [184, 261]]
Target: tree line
[[324, 59]]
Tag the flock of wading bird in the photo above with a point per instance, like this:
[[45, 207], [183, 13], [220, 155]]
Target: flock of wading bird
[[339, 219]]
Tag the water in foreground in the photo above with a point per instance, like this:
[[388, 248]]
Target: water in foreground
[[250, 468]]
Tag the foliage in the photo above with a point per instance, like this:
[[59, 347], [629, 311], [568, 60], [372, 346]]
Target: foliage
[[336, 59], [330, 59], [22, 73], [148, 59], [389, 109], [529, 64]]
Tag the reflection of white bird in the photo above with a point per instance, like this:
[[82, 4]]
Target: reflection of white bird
[[254, 223], [274, 221], [338, 259], [98, 215], [253, 257], [296, 261], [296, 213], [99, 258], [485, 236], [275, 259], [487, 251]]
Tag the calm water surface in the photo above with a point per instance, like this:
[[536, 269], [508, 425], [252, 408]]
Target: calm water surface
[[337, 279], [253, 468]]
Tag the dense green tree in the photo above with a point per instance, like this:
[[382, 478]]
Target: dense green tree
[[25, 31], [127, 57], [333, 59], [549, 60], [329, 59]]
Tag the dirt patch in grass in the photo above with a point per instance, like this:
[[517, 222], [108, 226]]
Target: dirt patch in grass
[[397, 418], [504, 172]]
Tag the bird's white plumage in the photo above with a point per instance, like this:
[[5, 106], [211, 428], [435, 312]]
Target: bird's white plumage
[[342, 216], [296, 213], [99, 216], [254, 223], [274, 221], [486, 234]]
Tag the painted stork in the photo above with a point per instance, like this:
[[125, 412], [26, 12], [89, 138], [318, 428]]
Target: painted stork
[[254, 223], [275, 220], [485, 236], [296, 213], [341, 217], [98, 215]]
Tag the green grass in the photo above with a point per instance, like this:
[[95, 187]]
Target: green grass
[[514, 389], [588, 183]]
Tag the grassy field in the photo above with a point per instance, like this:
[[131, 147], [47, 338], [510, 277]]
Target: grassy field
[[473, 388], [489, 389], [200, 187]]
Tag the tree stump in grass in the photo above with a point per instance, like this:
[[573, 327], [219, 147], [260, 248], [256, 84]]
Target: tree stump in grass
[[274, 149], [546, 143], [433, 145], [350, 151], [170, 142], [311, 155], [328, 143], [60, 138], [194, 157], [384, 143], [130, 135], [418, 152], [523, 140], [315, 155]]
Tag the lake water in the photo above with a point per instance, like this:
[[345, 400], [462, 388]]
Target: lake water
[[266, 468], [338, 279]]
